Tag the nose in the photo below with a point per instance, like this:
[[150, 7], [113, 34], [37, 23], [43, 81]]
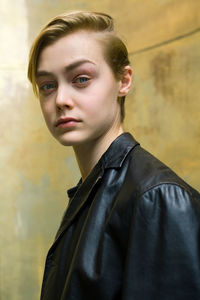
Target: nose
[[64, 98]]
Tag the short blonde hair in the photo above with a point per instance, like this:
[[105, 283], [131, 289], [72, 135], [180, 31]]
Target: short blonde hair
[[115, 51]]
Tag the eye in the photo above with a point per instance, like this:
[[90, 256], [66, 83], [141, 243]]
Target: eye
[[47, 88], [81, 81]]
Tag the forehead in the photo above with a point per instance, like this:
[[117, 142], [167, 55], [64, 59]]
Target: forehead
[[78, 45]]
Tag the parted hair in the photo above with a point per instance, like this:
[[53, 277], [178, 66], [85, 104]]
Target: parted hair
[[115, 51]]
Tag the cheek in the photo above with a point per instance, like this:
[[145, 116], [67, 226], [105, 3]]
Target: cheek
[[94, 109], [47, 114], [101, 111], [102, 98]]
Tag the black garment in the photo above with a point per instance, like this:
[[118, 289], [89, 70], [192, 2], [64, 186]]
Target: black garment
[[131, 232]]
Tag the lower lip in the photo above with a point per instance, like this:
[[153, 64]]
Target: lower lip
[[67, 124]]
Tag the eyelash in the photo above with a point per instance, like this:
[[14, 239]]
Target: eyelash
[[44, 89], [48, 88], [81, 84]]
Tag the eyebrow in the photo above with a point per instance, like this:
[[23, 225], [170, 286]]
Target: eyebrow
[[68, 68]]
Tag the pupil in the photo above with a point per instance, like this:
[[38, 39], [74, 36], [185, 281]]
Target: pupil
[[82, 79], [48, 86]]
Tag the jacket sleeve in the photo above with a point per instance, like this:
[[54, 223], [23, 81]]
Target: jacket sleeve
[[163, 253]]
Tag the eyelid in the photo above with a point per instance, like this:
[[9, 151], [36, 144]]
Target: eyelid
[[47, 91], [81, 84]]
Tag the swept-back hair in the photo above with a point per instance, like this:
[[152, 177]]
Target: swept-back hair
[[115, 51]]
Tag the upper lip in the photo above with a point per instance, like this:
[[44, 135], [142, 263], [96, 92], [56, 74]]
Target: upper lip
[[64, 120]]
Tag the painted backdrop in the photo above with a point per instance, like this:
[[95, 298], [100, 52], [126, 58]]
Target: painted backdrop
[[162, 111]]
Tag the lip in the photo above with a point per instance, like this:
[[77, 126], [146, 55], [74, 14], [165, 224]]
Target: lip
[[66, 122]]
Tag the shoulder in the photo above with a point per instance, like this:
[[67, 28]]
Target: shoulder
[[153, 189], [168, 201], [149, 175]]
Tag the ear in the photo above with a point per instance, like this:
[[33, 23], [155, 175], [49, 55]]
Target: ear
[[125, 82]]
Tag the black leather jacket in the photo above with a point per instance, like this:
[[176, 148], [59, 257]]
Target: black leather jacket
[[131, 232]]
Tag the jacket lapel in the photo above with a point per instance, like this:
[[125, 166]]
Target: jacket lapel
[[112, 158], [77, 203]]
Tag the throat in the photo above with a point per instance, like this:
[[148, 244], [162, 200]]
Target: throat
[[89, 153]]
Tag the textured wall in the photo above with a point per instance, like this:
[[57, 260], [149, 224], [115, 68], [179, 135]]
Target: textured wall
[[163, 112]]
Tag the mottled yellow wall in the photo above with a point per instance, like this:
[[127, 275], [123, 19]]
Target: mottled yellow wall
[[163, 112]]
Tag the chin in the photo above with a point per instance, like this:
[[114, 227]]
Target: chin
[[70, 140], [67, 142], [75, 138]]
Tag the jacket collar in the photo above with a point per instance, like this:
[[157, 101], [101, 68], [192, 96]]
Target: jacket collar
[[118, 150], [112, 158]]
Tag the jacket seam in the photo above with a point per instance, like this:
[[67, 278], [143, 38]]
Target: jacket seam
[[161, 184]]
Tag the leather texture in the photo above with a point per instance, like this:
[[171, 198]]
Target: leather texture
[[131, 232]]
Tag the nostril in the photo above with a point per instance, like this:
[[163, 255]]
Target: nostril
[[63, 106], [63, 99]]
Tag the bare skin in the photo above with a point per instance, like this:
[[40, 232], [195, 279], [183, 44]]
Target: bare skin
[[87, 155]]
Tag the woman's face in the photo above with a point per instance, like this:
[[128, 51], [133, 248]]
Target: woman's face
[[78, 91]]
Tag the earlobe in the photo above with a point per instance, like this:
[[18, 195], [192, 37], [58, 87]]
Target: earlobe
[[125, 82]]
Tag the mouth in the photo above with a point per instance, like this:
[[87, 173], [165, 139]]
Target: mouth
[[66, 122]]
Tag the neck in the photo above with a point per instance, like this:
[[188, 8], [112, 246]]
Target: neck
[[88, 154]]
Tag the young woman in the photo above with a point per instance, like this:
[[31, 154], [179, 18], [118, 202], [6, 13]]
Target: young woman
[[131, 230]]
